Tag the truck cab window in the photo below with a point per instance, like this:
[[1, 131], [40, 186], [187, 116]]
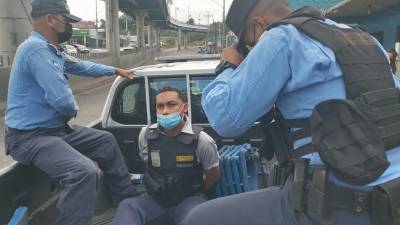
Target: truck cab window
[[130, 103], [197, 84]]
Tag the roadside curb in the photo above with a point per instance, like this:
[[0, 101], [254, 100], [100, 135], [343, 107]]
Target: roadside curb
[[3, 106]]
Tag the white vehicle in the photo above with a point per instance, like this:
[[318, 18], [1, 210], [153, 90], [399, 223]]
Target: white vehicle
[[98, 50], [128, 48], [130, 105], [70, 49]]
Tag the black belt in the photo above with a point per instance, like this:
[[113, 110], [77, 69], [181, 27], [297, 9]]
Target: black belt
[[10, 129], [66, 128]]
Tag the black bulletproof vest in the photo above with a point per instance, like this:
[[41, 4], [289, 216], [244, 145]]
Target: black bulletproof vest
[[173, 165], [369, 119]]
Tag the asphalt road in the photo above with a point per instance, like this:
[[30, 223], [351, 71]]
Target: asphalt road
[[90, 105]]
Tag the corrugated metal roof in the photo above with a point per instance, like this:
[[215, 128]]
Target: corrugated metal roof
[[361, 7], [322, 4]]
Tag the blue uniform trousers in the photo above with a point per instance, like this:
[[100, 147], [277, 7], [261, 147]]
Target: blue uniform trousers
[[144, 210], [67, 155], [271, 206]]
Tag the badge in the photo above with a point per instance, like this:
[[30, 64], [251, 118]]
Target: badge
[[184, 161], [57, 65], [184, 158], [155, 158]]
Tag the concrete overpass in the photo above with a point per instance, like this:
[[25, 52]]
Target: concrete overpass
[[152, 13], [15, 19]]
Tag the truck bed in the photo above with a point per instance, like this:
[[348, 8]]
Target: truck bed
[[105, 218]]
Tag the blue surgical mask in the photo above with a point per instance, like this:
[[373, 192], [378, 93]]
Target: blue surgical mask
[[169, 121]]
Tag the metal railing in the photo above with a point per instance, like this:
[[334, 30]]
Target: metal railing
[[87, 56]]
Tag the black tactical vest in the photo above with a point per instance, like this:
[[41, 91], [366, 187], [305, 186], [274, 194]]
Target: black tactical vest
[[350, 135], [173, 172]]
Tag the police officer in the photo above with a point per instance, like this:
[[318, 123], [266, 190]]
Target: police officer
[[40, 103], [327, 85], [176, 155], [392, 54]]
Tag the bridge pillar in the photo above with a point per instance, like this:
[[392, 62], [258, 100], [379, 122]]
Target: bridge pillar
[[140, 14], [149, 35], [179, 39], [185, 39], [155, 31], [158, 33], [112, 30]]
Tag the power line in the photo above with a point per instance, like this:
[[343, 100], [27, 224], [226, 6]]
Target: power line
[[208, 15], [217, 3]]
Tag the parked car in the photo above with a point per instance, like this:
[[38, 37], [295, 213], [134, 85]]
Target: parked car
[[81, 48], [98, 50], [130, 105], [70, 49], [128, 48]]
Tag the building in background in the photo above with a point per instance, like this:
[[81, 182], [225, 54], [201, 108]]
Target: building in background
[[321, 4], [381, 18], [86, 33]]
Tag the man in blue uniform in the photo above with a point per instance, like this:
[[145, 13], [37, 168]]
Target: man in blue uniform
[[301, 67], [40, 104]]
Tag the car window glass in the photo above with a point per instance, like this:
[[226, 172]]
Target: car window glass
[[197, 84], [156, 84], [129, 105]]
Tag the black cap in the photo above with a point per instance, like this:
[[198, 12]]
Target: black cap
[[237, 15], [44, 7]]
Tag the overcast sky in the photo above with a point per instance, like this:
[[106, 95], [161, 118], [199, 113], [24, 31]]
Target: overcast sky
[[198, 9]]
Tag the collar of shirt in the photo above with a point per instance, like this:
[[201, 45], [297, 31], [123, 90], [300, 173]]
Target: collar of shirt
[[39, 35], [185, 129], [56, 48]]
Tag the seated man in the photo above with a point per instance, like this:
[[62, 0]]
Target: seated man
[[392, 54], [181, 165]]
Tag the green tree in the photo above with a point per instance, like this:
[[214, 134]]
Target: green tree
[[123, 19], [190, 21]]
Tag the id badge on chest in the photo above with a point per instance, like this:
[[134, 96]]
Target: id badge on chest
[[155, 158]]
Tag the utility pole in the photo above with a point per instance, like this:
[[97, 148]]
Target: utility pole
[[97, 25], [188, 14], [223, 20], [208, 18], [199, 19], [176, 13], [219, 33], [126, 29], [223, 25], [126, 24], [215, 32]]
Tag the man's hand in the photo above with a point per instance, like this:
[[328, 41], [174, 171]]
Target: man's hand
[[211, 177], [232, 55], [127, 74]]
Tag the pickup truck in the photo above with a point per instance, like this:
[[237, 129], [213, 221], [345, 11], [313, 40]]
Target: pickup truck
[[130, 105]]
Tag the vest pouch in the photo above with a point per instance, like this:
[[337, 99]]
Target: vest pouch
[[174, 192], [347, 142], [385, 203], [152, 186]]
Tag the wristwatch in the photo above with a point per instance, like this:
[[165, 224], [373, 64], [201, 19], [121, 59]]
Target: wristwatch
[[223, 65]]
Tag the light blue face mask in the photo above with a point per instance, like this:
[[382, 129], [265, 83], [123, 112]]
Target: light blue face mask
[[169, 121]]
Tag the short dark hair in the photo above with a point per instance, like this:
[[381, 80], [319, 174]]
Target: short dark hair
[[181, 96], [393, 51]]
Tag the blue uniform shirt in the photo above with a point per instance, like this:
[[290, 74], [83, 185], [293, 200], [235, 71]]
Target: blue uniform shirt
[[290, 69], [39, 94]]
